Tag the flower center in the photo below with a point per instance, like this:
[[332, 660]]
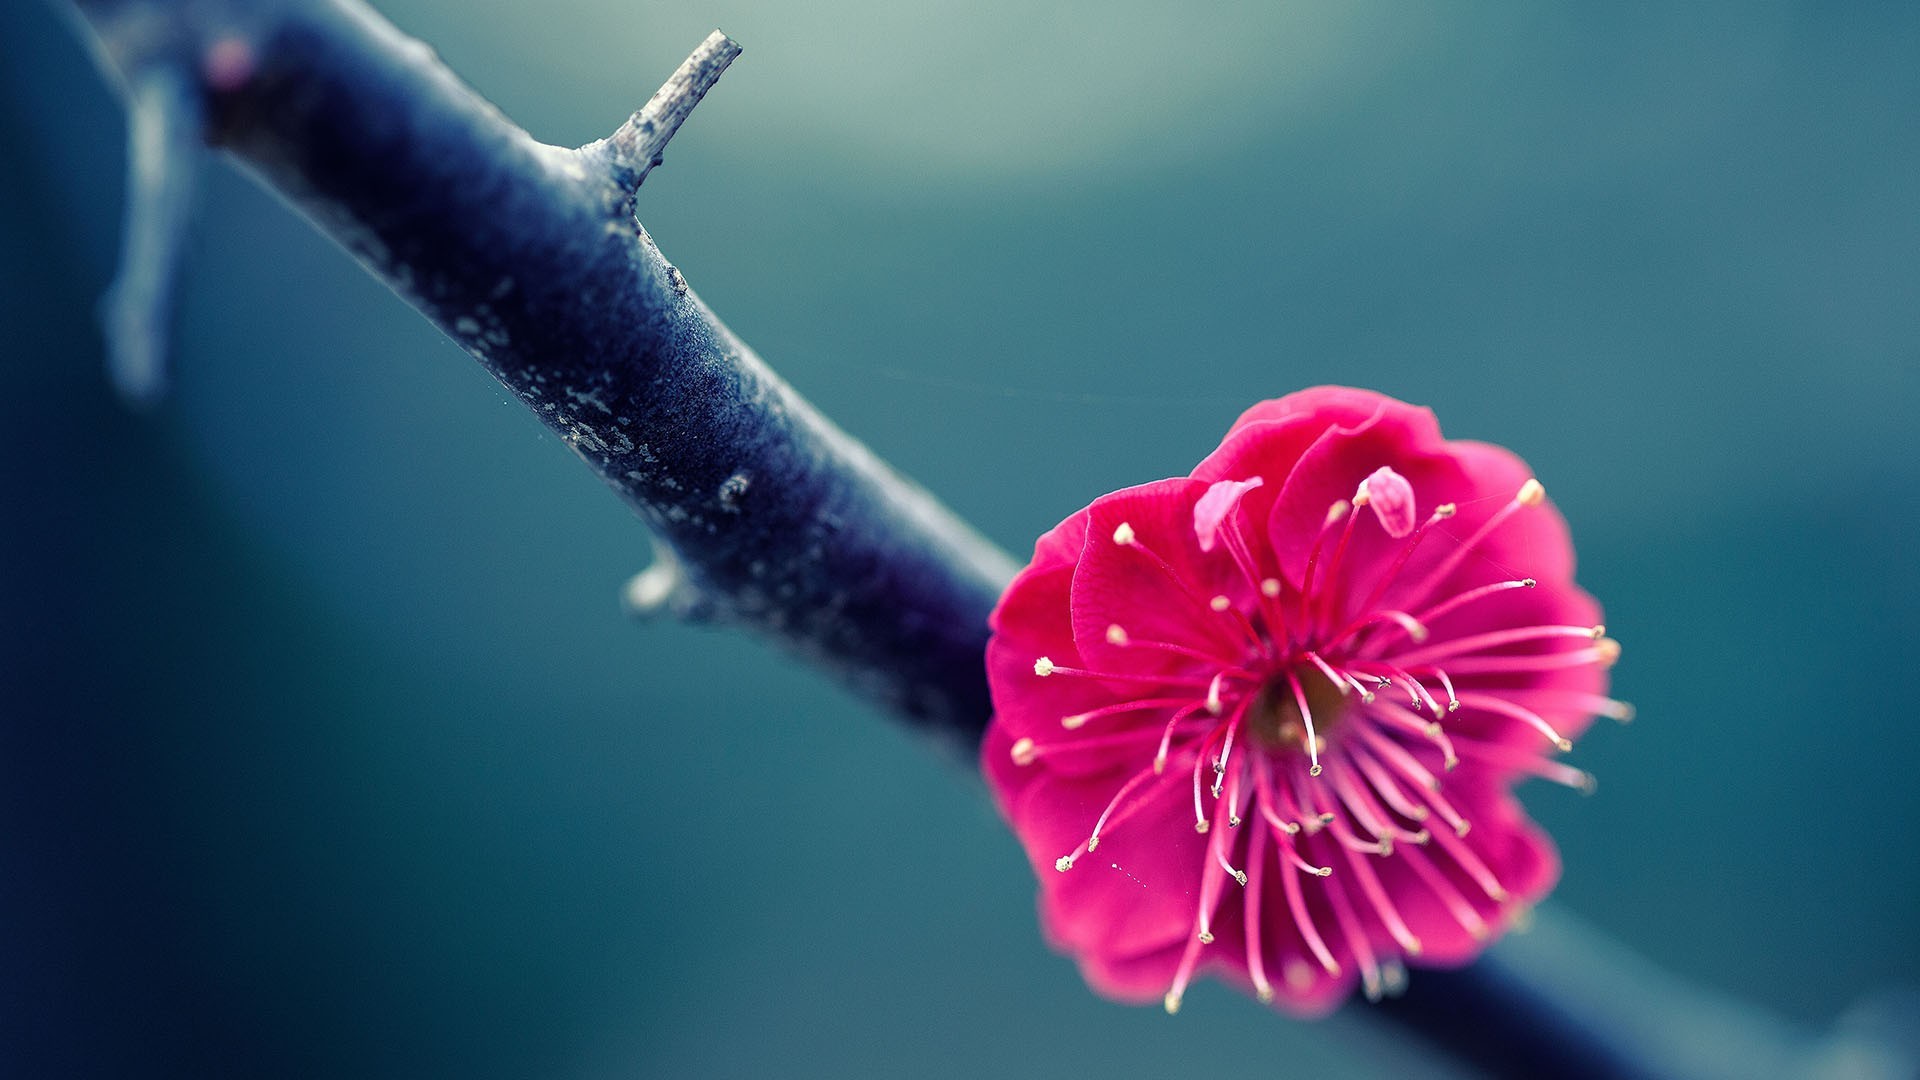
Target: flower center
[[1274, 721]]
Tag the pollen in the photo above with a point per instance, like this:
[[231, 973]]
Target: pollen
[[1024, 752]]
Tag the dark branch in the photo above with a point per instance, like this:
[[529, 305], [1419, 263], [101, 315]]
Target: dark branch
[[529, 257]]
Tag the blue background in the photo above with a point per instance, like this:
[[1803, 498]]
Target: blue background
[[325, 747]]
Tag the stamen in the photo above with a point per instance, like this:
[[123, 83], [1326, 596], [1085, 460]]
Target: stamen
[[1220, 856], [1023, 752], [1406, 622], [1141, 777], [1382, 904], [1440, 514], [1583, 701], [1250, 569], [1306, 720], [1116, 814], [1200, 823], [1251, 916], [1603, 653], [1495, 704], [1356, 939], [1338, 680], [1118, 636], [1211, 883], [1494, 639], [1368, 811], [1463, 856], [1182, 976], [1385, 787], [1414, 725], [1451, 898], [1166, 736], [1303, 921], [1045, 668], [1531, 490], [1179, 581], [1454, 603], [1330, 596], [1453, 700], [1335, 513], [1078, 720], [1557, 772]]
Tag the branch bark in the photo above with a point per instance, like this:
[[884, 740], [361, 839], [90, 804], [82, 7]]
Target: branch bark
[[529, 256]]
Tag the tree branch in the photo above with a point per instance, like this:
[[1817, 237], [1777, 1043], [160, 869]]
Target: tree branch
[[530, 258], [770, 517]]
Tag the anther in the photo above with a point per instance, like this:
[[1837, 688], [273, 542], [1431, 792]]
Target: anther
[[1214, 704], [1265, 994], [1117, 635], [1445, 510], [1531, 493], [1206, 937], [1043, 667], [1201, 827], [1123, 534], [1270, 588], [1075, 721], [1024, 752], [1529, 582], [1172, 1003], [1063, 864], [1599, 631], [1220, 603], [1607, 651]]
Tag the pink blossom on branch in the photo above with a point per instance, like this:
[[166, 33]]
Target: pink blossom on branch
[[1264, 720]]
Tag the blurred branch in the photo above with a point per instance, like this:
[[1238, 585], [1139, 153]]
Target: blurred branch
[[530, 258]]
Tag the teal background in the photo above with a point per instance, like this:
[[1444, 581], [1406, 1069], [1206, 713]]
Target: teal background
[[326, 750]]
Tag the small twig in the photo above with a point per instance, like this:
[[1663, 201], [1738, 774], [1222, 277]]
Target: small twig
[[163, 149], [637, 145]]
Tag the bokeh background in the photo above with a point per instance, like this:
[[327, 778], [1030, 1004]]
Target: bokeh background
[[326, 751]]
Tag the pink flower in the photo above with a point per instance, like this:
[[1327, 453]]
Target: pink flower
[[1263, 721]]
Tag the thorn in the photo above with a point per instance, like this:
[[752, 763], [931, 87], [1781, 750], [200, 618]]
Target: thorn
[[639, 142]]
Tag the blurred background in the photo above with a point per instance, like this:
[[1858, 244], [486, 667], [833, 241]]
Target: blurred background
[[325, 749]]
